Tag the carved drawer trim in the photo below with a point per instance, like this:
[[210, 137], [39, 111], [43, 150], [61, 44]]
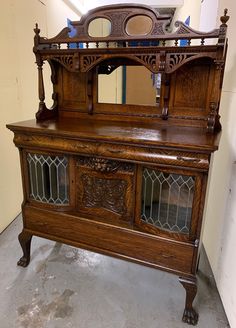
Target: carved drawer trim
[[104, 165]]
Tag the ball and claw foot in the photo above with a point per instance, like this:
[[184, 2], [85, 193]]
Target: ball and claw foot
[[23, 261], [190, 317], [25, 242]]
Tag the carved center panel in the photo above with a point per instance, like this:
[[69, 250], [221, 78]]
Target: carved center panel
[[105, 188], [105, 193]]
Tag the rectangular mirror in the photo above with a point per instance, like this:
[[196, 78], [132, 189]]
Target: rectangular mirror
[[128, 84]]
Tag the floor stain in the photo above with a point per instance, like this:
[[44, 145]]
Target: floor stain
[[41, 250], [45, 248], [65, 256], [41, 268], [36, 314], [69, 255]]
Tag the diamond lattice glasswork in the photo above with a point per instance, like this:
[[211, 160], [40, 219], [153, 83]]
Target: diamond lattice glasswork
[[167, 200], [48, 176]]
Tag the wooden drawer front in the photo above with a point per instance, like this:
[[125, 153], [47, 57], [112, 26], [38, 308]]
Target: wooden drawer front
[[149, 154], [150, 250], [105, 188]]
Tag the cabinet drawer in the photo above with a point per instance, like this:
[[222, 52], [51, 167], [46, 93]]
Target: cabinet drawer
[[139, 153], [125, 243]]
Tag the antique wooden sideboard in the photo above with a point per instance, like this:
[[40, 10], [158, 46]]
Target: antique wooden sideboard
[[119, 164]]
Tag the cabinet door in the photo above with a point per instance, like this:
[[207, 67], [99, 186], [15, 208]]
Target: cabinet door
[[105, 189], [49, 179], [169, 202]]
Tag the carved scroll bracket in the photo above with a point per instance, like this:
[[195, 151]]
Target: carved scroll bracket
[[220, 63], [174, 61], [151, 61], [89, 61], [213, 120], [70, 62]]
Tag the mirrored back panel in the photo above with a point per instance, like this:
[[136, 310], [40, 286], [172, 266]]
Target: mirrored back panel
[[133, 85]]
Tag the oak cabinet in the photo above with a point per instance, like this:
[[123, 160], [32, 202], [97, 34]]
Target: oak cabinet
[[126, 177]]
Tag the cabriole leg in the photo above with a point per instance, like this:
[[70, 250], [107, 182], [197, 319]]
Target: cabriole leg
[[25, 242], [190, 316]]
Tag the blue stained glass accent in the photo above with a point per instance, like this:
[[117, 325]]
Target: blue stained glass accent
[[183, 43], [72, 34]]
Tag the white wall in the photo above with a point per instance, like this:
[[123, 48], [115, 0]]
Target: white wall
[[208, 15], [220, 228], [190, 8], [18, 83], [89, 4]]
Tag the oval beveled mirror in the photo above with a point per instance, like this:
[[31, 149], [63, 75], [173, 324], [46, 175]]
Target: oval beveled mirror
[[139, 25], [99, 27]]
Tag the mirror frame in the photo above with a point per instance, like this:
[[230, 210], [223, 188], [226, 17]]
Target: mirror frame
[[125, 109]]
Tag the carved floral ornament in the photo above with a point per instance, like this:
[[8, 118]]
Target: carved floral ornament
[[175, 61], [105, 165], [104, 193]]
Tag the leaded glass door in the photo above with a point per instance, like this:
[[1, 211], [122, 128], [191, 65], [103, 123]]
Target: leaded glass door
[[167, 201], [49, 179]]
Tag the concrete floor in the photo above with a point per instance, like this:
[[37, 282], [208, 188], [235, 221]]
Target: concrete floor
[[65, 287]]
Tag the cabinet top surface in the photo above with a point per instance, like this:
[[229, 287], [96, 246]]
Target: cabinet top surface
[[154, 134]]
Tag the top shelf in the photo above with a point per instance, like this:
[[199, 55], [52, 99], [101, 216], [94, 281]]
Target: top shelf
[[124, 30]]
